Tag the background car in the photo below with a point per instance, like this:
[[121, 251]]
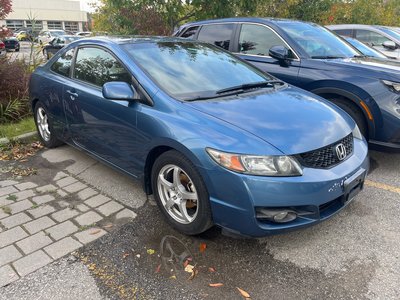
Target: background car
[[314, 58], [2, 49], [57, 43], [216, 140], [382, 38], [22, 36], [45, 36], [11, 43], [84, 33], [365, 49]]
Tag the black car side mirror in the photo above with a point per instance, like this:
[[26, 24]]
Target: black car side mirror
[[280, 53], [119, 90]]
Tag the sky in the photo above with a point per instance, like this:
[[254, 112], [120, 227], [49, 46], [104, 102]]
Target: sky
[[85, 5]]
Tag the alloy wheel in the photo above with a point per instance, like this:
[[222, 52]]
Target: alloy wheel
[[43, 124], [178, 194]]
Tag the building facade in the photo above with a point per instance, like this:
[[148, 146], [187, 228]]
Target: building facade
[[47, 14]]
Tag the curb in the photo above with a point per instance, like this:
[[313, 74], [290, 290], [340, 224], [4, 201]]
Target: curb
[[26, 137]]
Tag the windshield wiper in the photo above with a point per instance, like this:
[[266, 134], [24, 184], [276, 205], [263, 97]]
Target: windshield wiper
[[327, 57], [249, 86]]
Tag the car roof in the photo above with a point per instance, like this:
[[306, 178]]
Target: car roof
[[133, 39], [248, 20], [355, 26]]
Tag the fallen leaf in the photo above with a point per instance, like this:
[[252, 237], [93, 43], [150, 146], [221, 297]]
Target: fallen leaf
[[95, 231], [202, 247], [108, 226], [173, 277], [189, 268], [185, 263], [195, 272], [243, 293], [211, 269], [138, 255], [216, 284], [158, 268], [151, 251], [125, 255]]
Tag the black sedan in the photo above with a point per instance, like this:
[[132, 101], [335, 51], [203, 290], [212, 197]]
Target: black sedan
[[11, 43], [57, 43]]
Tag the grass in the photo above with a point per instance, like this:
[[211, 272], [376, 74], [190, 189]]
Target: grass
[[11, 130]]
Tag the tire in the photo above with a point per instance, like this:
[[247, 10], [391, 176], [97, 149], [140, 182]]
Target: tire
[[44, 127], [354, 112], [17, 50], [173, 177]]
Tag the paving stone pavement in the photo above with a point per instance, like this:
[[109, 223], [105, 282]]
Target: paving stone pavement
[[40, 224]]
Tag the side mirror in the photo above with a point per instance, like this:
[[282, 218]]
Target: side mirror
[[389, 45], [280, 53], [118, 90]]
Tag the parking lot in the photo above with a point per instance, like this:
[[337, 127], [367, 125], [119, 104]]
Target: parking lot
[[354, 255]]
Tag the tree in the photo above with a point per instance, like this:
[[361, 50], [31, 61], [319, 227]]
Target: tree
[[5, 8]]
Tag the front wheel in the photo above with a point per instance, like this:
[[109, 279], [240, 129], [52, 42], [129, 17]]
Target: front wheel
[[181, 193], [44, 127], [354, 112]]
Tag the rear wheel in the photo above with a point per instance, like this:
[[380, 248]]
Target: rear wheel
[[44, 127], [181, 193], [354, 112]]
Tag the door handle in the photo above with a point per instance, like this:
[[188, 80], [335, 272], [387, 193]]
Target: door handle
[[72, 94]]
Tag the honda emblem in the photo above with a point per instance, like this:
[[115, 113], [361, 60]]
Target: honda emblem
[[341, 152]]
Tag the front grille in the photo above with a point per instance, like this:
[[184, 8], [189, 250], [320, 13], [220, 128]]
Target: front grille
[[326, 157]]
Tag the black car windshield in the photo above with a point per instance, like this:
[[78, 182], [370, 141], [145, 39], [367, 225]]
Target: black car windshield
[[317, 41], [190, 70]]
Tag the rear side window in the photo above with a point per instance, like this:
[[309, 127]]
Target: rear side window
[[219, 34], [190, 32], [344, 32], [97, 66], [63, 65], [257, 39]]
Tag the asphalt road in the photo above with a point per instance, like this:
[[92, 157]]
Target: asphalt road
[[354, 255]]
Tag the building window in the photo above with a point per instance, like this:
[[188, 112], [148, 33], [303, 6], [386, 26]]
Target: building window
[[38, 25], [71, 26], [14, 24], [54, 25]]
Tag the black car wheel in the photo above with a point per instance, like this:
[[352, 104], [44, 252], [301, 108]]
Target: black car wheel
[[181, 194]]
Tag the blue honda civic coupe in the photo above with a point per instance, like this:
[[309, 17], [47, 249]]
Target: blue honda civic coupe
[[217, 141]]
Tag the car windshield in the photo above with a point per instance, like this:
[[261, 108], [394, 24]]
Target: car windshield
[[58, 32], [392, 33], [364, 49], [70, 39], [317, 41], [191, 70]]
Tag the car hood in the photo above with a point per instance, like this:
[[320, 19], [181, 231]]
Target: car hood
[[292, 120], [374, 64]]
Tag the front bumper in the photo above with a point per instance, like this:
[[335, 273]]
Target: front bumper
[[321, 193]]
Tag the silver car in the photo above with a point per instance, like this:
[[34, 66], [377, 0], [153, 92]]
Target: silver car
[[383, 38]]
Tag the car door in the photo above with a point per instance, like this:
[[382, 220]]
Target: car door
[[376, 40], [254, 42], [106, 128]]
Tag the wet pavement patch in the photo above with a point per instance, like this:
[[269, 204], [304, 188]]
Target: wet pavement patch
[[125, 268]]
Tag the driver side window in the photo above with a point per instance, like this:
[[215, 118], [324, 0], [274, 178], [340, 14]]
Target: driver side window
[[257, 40], [370, 37], [97, 66]]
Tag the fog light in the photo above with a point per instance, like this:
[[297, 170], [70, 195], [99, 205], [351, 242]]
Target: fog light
[[276, 215]]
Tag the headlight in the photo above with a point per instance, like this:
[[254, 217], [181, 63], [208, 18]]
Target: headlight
[[393, 86], [274, 165], [357, 133]]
